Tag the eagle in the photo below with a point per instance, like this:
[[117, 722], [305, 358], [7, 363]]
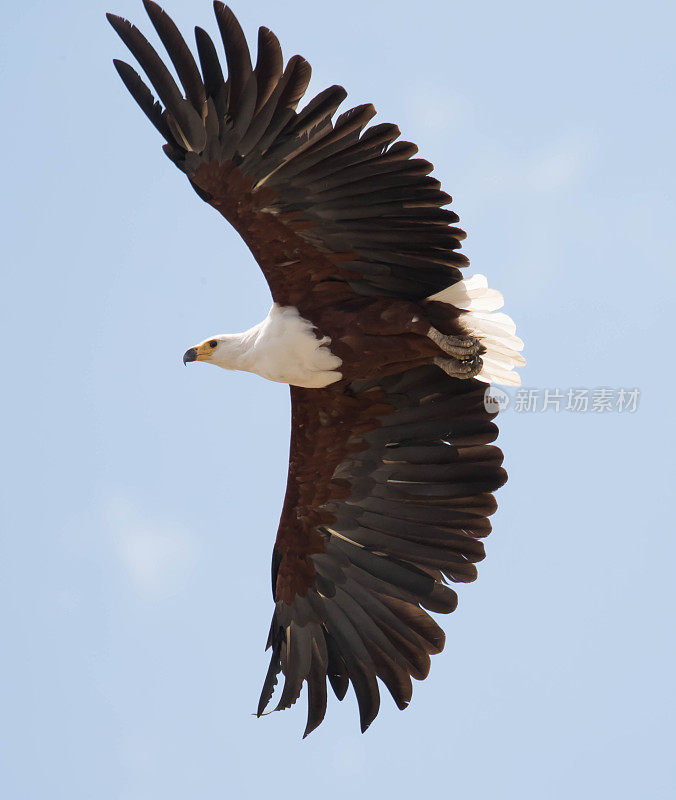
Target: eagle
[[387, 349]]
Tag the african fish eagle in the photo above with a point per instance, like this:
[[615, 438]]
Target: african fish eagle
[[386, 348]]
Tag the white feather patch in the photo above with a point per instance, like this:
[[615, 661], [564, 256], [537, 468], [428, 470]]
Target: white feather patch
[[472, 294], [496, 331]]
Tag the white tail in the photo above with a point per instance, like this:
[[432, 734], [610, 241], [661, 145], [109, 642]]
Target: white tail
[[497, 332]]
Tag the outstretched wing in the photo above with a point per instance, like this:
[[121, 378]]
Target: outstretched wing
[[315, 200], [370, 531]]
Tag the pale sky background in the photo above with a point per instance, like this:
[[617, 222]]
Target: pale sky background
[[140, 499]]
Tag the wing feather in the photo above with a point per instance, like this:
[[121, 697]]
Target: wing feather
[[237, 56], [180, 55], [144, 97], [269, 65]]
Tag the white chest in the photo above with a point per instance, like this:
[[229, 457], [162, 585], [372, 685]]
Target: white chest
[[284, 348]]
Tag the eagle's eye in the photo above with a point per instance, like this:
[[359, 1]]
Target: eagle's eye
[[213, 343]]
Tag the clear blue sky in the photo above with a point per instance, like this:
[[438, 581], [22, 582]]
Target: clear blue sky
[[140, 499]]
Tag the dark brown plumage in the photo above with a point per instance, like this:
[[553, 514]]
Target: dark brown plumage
[[391, 469]]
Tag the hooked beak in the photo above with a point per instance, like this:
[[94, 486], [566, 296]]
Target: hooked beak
[[200, 352]]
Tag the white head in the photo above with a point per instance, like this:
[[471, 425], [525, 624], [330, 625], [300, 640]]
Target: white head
[[227, 351]]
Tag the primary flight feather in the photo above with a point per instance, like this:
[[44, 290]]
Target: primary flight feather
[[386, 348]]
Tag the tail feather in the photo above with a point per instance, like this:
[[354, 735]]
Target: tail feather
[[496, 331]]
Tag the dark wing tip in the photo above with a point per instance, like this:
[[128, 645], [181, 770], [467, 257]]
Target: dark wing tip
[[116, 21], [368, 713], [270, 681], [224, 12]]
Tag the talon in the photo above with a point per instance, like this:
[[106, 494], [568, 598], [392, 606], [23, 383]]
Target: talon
[[464, 369], [457, 346]]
